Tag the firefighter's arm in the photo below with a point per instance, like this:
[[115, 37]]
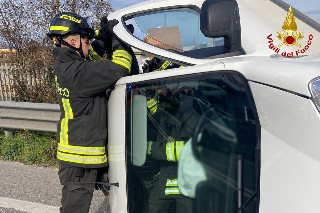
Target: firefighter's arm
[[97, 50], [93, 77], [169, 151]]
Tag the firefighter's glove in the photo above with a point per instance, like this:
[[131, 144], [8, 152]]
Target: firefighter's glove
[[152, 66], [106, 33], [149, 147], [146, 66], [130, 28], [103, 21]]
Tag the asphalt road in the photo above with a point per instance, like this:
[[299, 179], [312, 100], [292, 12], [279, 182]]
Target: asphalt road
[[36, 189]]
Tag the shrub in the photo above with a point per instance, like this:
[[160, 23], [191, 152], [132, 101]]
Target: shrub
[[29, 147], [10, 150]]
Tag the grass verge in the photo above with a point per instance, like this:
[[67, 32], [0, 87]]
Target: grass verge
[[29, 147]]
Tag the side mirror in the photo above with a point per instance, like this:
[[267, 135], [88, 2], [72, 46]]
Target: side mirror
[[220, 18]]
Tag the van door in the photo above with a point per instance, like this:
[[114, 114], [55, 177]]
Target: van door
[[192, 144]]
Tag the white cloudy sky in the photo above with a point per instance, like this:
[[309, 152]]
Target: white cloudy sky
[[310, 7]]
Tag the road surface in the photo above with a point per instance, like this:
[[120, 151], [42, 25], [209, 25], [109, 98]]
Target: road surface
[[33, 189]]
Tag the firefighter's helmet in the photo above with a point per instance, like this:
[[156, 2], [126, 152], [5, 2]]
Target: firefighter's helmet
[[67, 23]]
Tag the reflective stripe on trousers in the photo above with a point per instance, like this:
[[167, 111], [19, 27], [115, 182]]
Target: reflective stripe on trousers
[[172, 187]]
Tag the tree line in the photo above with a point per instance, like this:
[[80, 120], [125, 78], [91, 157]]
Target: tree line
[[23, 27]]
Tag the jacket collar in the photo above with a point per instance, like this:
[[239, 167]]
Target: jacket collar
[[65, 54]]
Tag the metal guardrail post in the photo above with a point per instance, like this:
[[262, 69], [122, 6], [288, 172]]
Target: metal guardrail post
[[31, 116]]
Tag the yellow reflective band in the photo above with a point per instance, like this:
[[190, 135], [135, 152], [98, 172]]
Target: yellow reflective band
[[94, 56], [172, 191], [167, 151], [122, 56], [177, 150], [63, 136], [71, 18], [151, 103], [181, 66], [122, 63], [172, 148], [170, 151], [81, 150], [154, 109], [173, 182], [65, 132], [97, 32], [67, 108], [64, 108], [59, 28], [82, 159], [179, 147], [123, 53], [116, 56], [165, 65], [61, 132], [68, 113]]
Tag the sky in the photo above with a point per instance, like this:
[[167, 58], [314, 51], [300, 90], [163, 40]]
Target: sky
[[310, 7]]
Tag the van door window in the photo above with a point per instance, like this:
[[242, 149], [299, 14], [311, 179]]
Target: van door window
[[191, 145], [177, 30]]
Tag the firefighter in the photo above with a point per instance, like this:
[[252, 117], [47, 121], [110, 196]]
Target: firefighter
[[165, 148], [166, 141], [81, 87]]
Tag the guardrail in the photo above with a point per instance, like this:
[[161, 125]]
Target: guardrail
[[31, 116]]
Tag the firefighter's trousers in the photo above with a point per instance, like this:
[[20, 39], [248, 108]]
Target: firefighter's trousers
[[76, 192], [161, 203]]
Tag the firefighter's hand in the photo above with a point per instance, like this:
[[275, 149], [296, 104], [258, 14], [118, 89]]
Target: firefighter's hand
[[106, 33], [107, 26], [130, 28], [146, 66]]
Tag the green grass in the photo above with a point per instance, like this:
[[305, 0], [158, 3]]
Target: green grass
[[29, 147]]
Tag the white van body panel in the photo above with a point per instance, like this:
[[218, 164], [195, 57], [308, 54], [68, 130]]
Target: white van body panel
[[290, 122], [290, 160], [116, 149]]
